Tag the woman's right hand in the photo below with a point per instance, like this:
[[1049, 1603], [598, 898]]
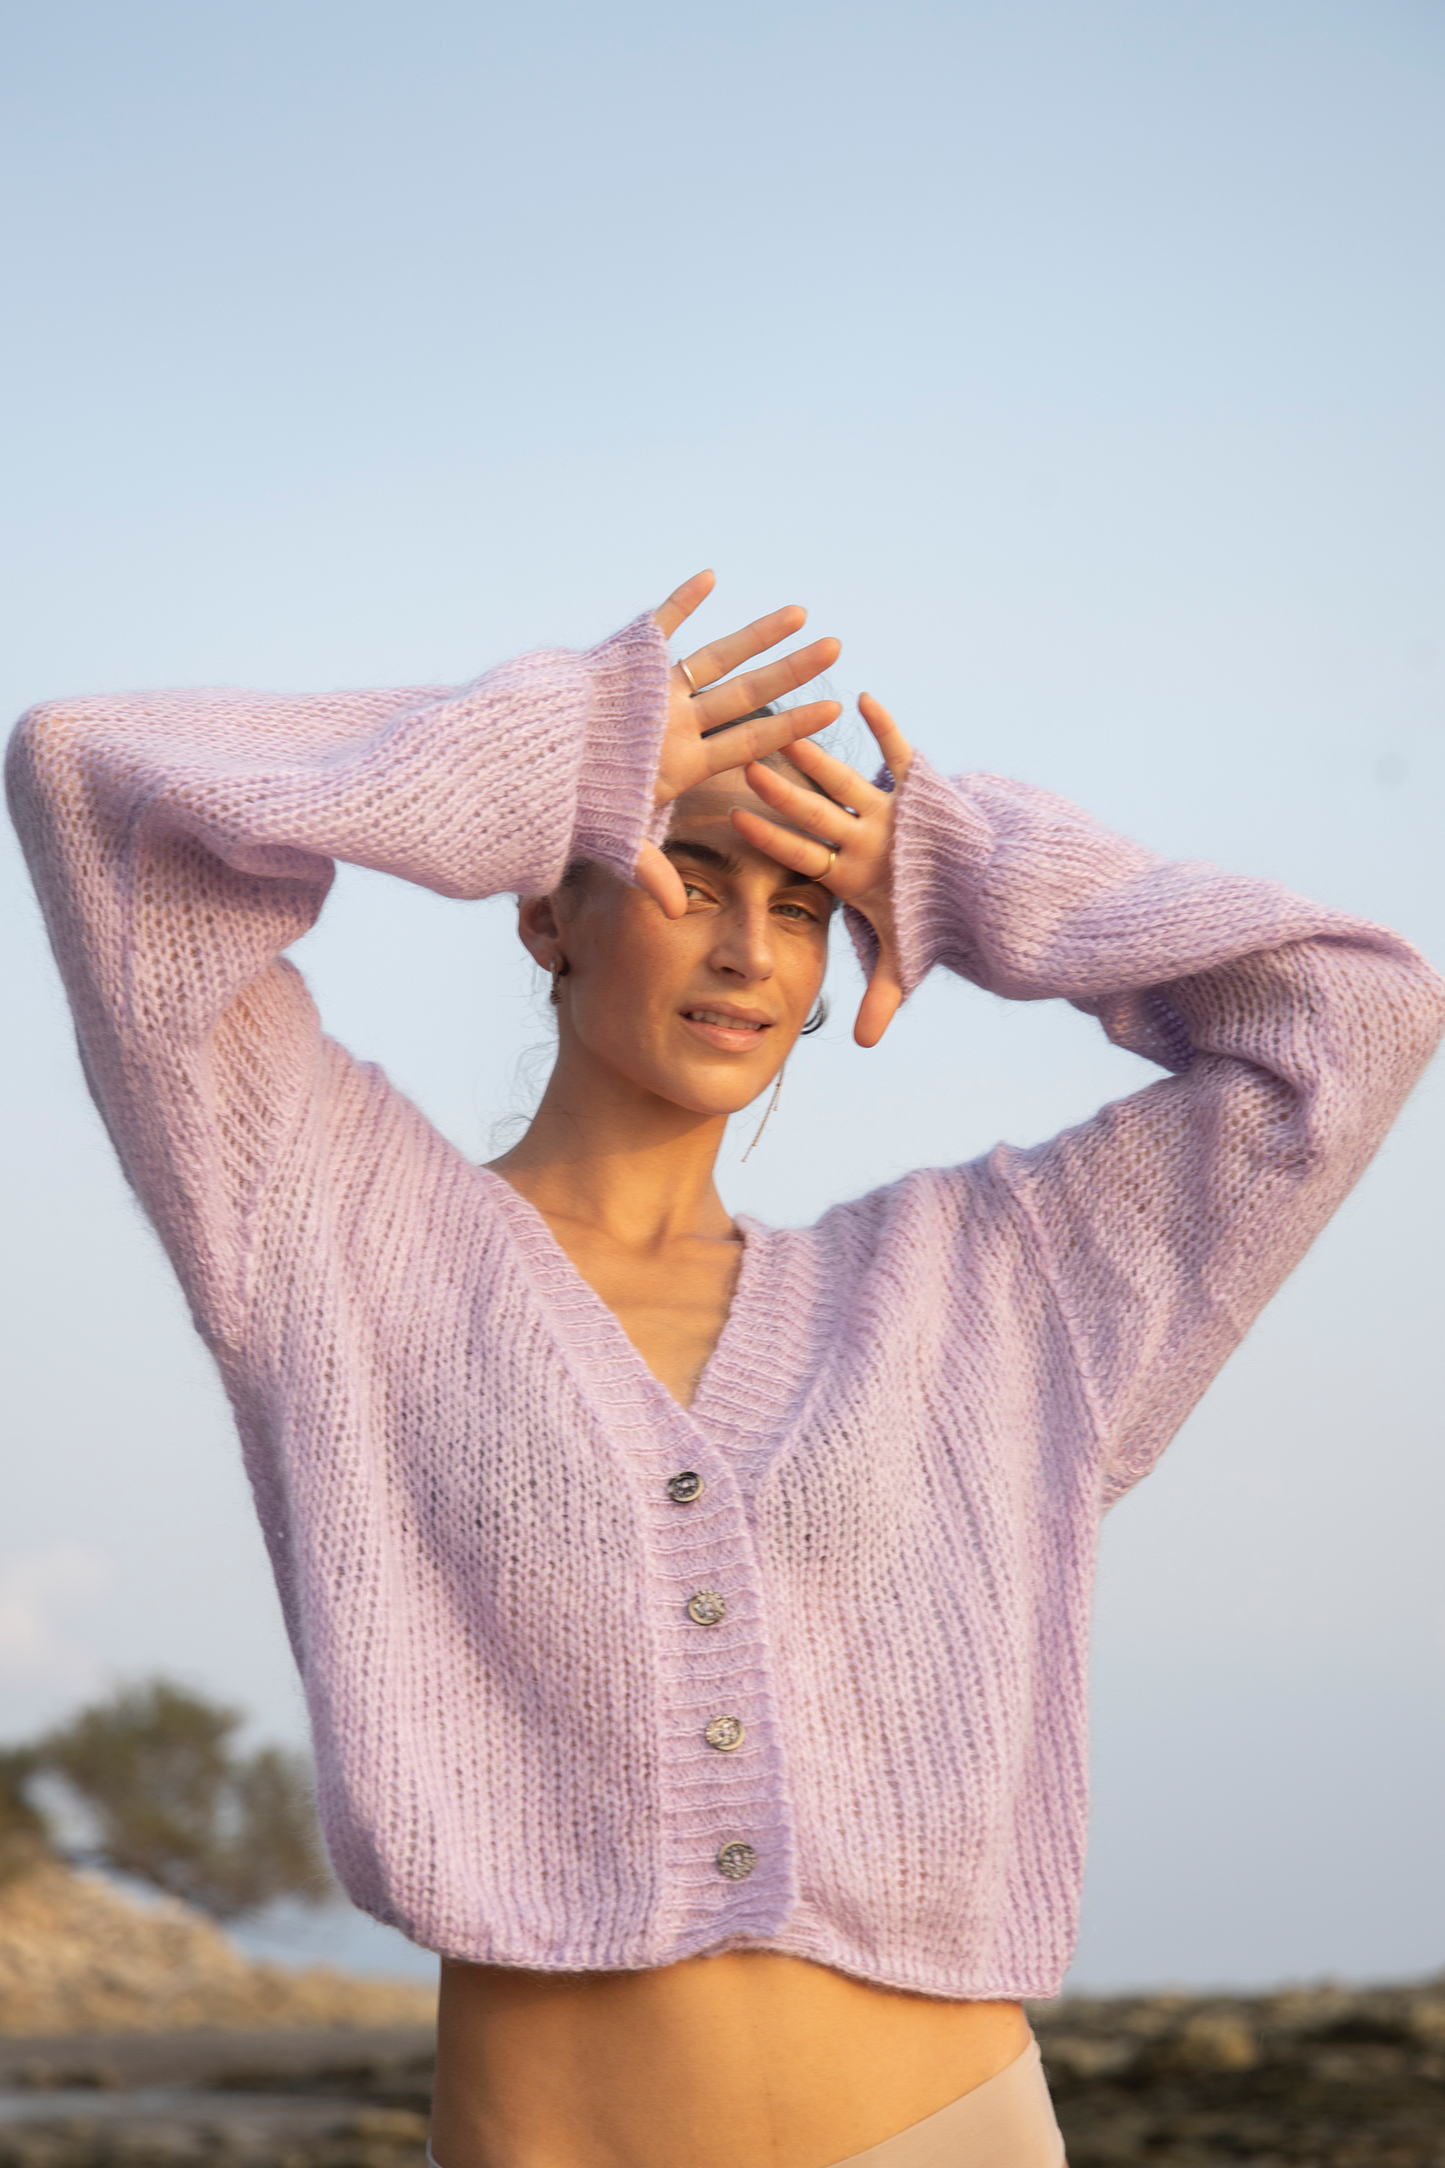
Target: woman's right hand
[[688, 755], [855, 822]]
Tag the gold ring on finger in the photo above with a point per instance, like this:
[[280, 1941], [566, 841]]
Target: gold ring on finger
[[832, 849], [691, 680]]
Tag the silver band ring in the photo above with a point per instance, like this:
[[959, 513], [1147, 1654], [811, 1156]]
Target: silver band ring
[[692, 681]]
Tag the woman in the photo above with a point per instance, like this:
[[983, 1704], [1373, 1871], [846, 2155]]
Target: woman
[[693, 1615]]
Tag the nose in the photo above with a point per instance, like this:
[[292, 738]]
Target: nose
[[744, 947]]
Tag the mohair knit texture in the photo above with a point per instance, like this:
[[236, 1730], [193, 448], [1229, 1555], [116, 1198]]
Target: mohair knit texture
[[915, 1417]]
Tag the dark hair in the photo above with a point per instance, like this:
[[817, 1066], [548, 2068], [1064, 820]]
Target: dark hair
[[754, 715]]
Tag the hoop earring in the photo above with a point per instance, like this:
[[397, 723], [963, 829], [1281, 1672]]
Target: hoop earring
[[559, 968], [762, 1125], [818, 1018]]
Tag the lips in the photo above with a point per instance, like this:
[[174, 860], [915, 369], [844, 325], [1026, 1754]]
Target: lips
[[729, 1019], [731, 1031]]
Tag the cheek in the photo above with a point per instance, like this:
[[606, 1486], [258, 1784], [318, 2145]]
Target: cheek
[[631, 968], [802, 966]]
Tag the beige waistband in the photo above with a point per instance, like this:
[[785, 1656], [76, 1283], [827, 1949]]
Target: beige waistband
[[1008, 2122]]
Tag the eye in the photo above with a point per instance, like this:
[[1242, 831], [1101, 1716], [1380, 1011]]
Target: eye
[[796, 911]]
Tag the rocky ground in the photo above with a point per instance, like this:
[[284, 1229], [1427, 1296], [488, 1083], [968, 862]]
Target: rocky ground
[[1322, 2077], [283, 2097], [143, 2038]]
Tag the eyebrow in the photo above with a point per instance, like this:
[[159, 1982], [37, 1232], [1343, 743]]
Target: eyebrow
[[706, 855]]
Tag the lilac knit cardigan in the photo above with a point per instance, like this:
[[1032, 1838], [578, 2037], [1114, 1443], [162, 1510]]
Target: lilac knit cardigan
[[915, 1416]]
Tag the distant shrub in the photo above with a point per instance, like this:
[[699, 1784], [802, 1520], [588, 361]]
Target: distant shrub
[[24, 1832], [175, 1804]]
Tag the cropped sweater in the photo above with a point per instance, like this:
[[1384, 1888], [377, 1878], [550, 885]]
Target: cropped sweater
[[899, 1453]]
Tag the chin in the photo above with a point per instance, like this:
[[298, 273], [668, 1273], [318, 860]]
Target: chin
[[717, 1096]]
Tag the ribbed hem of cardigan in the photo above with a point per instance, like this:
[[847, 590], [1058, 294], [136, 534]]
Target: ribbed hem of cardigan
[[623, 745], [940, 843]]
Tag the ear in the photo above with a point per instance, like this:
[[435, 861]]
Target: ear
[[538, 929]]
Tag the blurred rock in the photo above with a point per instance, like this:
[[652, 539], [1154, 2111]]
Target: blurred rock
[[1318, 2077], [1080, 2055], [386, 2123], [76, 1955], [1427, 2020], [1210, 2041]]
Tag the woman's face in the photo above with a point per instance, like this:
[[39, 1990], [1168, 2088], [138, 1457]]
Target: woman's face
[[702, 1010]]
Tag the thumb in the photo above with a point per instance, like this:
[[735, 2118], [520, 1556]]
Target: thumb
[[882, 999], [656, 873]]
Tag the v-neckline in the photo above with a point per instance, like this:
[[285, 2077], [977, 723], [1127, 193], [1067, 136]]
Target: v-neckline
[[574, 1300]]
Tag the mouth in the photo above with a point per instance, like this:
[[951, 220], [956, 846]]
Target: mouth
[[732, 1031]]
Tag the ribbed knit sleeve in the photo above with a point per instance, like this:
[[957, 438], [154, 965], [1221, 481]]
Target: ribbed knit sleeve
[[179, 842], [1294, 1034]]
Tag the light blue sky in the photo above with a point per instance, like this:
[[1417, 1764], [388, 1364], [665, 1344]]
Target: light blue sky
[[1081, 366]]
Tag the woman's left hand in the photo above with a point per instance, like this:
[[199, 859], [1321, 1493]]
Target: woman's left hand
[[860, 868]]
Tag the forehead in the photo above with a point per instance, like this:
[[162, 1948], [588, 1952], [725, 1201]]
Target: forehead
[[708, 803], [707, 807]]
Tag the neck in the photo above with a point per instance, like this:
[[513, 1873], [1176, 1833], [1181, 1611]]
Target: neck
[[623, 1161]]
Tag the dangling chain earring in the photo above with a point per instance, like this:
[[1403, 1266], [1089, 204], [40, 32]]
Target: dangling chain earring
[[762, 1125], [559, 969]]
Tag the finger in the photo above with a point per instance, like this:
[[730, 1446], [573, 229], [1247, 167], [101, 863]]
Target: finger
[[804, 808], [800, 854], [882, 999], [755, 688], [716, 659], [895, 748], [735, 747], [656, 873], [833, 775], [683, 600]]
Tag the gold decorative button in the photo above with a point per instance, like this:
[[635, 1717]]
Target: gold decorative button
[[726, 1733], [736, 1861], [682, 1489], [707, 1608]]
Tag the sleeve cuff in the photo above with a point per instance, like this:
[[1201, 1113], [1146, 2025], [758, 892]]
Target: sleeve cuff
[[622, 746], [941, 845]]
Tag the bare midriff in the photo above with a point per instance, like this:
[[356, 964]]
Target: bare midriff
[[745, 2060]]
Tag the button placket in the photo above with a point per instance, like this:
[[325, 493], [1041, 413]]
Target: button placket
[[726, 1819], [721, 1706], [736, 1860]]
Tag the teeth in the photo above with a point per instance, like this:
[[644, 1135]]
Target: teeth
[[729, 1023]]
